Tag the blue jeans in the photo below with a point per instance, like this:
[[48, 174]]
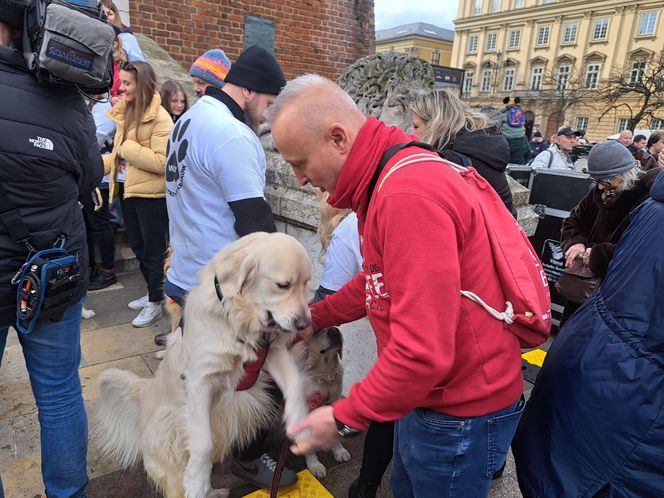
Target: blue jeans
[[52, 355], [444, 456]]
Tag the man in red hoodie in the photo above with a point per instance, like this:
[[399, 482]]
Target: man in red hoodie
[[447, 371]]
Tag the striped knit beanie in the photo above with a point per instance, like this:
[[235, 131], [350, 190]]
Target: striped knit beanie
[[212, 66]]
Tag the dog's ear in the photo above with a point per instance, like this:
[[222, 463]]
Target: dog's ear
[[341, 349], [236, 265]]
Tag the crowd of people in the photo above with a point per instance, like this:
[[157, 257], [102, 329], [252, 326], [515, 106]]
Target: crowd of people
[[408, 243]]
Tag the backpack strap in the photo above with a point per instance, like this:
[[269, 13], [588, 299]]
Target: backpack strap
[[12, 220], [389, 154], [548, 166]]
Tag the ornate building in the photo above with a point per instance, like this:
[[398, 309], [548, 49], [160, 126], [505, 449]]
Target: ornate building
[[426, 41], [557, 55]]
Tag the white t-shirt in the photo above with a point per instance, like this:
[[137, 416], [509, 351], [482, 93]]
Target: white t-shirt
[[343, 259], [212, 159], [105, 126]]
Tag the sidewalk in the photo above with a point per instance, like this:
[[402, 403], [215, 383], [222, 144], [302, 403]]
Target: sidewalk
[[109, 340]]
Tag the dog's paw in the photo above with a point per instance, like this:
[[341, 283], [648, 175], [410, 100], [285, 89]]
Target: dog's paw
[[317, 469], [218, 493], [340, 454], [87, 314], [196, 489]]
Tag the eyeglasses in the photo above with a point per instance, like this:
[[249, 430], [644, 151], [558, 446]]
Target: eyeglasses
[[606, 182]]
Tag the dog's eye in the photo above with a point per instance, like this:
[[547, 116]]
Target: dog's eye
[[284, 285]]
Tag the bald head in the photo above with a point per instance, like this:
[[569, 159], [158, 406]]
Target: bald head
[[314, 126], [625, 137], [314, 102]]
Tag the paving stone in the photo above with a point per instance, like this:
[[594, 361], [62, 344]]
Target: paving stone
[[21, 477], [116, 342], [89, 375]]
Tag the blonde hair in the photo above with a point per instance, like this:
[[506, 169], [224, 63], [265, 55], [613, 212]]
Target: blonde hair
[[330, 217], [445, 115]]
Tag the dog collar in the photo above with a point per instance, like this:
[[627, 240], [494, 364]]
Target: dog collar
[[217, 289]]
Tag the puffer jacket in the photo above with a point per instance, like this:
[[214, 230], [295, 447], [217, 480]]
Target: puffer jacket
[[48, 156], [594, 424], [145, 175]]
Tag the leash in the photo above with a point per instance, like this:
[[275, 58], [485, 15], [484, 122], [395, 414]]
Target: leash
[[281, 462]]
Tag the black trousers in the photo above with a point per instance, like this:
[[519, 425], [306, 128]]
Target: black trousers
[[100, 231], [146, 224]]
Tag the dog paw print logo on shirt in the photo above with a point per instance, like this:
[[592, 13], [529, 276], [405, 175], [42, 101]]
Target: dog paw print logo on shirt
[[176, 153]]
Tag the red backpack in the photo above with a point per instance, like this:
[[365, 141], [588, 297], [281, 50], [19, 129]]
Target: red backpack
[[525, 287]]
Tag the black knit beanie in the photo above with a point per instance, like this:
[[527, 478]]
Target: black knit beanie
[[12, 12], [257, 70]]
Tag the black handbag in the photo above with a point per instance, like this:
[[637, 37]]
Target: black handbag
[[577, 283]]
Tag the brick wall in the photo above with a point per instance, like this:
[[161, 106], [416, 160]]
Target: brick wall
[[320, 36]]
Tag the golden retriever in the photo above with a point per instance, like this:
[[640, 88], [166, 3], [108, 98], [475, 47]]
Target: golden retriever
[[190, 414], [319, 361]]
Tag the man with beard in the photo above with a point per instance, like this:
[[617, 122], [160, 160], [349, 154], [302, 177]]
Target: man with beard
[[215, 178]]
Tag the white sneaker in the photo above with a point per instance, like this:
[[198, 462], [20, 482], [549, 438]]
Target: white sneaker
[[149, 314], [139, 304]]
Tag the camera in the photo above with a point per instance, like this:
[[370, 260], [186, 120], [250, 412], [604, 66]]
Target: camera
[[68, 42]]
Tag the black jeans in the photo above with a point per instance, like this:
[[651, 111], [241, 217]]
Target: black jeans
[[146, 223], [100, 230]]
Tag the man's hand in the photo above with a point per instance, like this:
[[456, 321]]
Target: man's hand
[[321, 428], [576, 251]]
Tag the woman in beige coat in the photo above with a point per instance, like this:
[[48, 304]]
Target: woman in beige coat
[[137, 176]]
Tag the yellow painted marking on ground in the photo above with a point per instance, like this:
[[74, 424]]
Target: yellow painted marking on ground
[[535, 357], [307, 486]]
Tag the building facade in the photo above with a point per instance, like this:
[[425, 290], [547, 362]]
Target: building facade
[[320, 37], [557, 55], [426, 41]]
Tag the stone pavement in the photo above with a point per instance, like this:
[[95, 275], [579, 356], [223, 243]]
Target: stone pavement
[[109, 340]]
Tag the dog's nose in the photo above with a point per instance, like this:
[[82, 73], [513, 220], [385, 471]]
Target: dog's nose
[[302, 323], [334, 333]]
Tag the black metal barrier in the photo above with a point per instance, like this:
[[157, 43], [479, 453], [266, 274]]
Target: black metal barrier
[[553, 194]]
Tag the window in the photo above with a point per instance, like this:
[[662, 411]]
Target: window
[[468, 82], [515, 39], [472, 44], [491, 41], [495, 5], [622, 124], [508, 81], [518, 4], [478, 7], [435, 58], [549, 1], [601, 29], [562, 78], [647, 26], [543, 36], [592, 76], [485, 86], [582, 123], [657, 124], [637, 72], [536, 78], [569, 35]]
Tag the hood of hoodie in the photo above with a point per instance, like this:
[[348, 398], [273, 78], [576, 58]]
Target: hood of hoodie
[[484, 145]]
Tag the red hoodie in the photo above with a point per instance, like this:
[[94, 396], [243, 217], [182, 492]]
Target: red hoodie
[[422, 243]]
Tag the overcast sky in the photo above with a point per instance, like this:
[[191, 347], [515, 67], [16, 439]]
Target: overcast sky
[[391, 13]]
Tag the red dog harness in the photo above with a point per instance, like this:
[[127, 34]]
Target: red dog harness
[[252, 369]]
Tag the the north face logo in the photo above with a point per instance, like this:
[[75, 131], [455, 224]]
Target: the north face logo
[[41, 143]]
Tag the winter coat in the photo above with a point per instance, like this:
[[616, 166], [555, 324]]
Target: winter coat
[[489, 154], [537, 147], [424, 239], [595, 419], [553, 158], [595, 225], [145, 175], [48, 155]]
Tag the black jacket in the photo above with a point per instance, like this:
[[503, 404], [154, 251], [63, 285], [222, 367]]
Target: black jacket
[[48, 155], [489, 154]]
